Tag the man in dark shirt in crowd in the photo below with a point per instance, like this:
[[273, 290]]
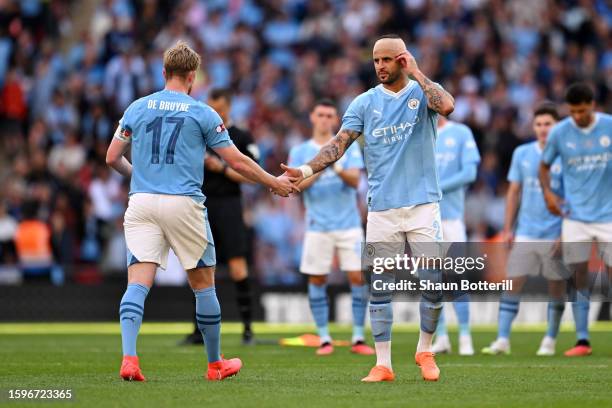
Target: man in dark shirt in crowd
[[224, 203]]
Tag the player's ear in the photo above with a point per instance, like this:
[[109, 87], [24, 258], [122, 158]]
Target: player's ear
[[191, 77]]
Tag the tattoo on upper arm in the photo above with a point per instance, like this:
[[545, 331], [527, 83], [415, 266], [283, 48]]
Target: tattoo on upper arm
[[334, 149]]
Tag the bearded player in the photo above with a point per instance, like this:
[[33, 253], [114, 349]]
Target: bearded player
[[398, 121]]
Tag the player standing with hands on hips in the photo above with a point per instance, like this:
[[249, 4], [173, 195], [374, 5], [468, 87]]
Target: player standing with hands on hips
[[168, 132], [398, 119]]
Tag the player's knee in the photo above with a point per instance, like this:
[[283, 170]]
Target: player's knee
[[237, 268], [432, 296], [355, 278], [317, 280], [201, 278]]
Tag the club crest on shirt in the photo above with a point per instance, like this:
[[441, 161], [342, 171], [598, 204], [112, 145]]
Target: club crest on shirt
[[450, 142], [220, 128], [604, 141], [413, 103]]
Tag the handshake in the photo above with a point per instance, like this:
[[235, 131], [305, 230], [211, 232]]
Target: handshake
[[287, 183]]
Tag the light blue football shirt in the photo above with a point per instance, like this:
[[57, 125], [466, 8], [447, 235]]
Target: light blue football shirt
[[455, 150], [399, 133], [169, 132], [331, 204], [534, 220], [586, 157]]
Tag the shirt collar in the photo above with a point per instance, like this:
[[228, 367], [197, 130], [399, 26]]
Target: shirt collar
[[586, 130], [399, 93]]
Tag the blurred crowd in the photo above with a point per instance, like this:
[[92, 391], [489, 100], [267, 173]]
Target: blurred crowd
[[62, 91]]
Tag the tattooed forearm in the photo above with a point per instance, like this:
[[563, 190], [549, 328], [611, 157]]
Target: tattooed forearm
[[438, 99], [333, 150]]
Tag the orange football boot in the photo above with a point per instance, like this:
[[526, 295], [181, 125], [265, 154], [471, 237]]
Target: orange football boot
[[325, 349], [222, 369], [378, 374], [579, 350], [130, 369], [361, 348], [429, 369]]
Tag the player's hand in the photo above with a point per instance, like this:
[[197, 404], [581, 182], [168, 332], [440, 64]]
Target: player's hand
[[213, 163], [408, 63], [293, 174], [284, 187], [553, 203]]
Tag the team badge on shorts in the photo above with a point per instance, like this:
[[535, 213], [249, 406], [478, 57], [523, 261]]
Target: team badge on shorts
[[413, 103]]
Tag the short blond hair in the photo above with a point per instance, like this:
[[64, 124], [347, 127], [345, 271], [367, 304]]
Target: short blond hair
[[180, 60]]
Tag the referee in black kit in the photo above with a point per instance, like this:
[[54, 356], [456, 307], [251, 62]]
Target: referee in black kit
[[224, 204]]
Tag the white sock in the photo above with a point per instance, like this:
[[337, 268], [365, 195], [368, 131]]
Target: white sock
[[383, 353], [424, 343]]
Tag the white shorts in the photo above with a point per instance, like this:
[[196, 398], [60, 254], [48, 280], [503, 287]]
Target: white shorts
[[532, 257], [318, 251], [154, 223], [453, 231], [419, 225], [577, 237]]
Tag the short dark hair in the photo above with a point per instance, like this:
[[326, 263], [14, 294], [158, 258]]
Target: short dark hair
[[324, 102], [547, 108], [579, 92], [219, 93], [392, 36]]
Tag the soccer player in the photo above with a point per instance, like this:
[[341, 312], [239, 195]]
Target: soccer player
[[457, 158], [398, 121], [332, 224], [224, 205], [535, 237], [168, 132], [583, 141]]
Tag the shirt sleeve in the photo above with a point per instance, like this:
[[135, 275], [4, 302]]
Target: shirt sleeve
[[126, 125], [215, 133], [514, 174], [353, 117], [354, 159], [470, 150], [551, 149]]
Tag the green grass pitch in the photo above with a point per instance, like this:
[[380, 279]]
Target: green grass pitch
[[86, 358]]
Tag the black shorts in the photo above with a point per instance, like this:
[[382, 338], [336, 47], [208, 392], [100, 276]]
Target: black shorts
[[227, 226]]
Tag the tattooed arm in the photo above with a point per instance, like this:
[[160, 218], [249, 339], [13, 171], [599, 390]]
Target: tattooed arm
[[329, 153], [438, 99]]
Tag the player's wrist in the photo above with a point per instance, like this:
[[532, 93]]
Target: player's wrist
[[306, 171]]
